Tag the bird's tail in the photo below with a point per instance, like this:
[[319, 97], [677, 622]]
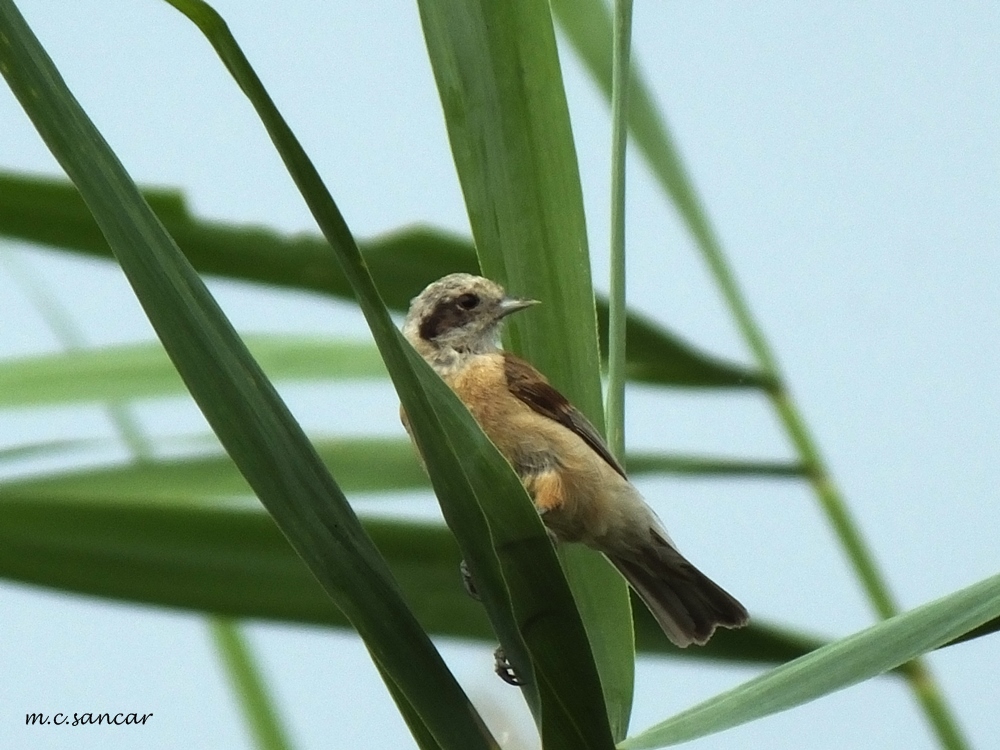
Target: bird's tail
[[687, 604]]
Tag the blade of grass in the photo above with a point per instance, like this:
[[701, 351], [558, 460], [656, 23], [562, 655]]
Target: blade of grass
[[237, 400], [500, 534], [841, 664], [422, 734], [703, 466], [131, 371], [360, 465], [658, 357], [498, 78], [227, 561], [402, 262], [234, 562], [238, 661], [42, 449], [614, 409], [614, 413], [248, 683], [588, 27]]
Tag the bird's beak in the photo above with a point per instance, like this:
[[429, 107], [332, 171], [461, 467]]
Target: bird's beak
[[510, 305]]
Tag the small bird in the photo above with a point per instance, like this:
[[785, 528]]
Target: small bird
[[577, 485]]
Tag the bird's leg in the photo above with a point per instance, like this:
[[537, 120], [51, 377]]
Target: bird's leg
[[467, 582], [500, 664], [503, 668]]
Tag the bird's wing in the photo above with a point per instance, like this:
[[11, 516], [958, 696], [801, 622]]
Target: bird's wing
[[531, 387]]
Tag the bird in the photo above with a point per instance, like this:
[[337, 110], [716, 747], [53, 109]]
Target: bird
[[577, 485]]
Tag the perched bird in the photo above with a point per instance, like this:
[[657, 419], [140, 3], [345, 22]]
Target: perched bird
[[577, 485]]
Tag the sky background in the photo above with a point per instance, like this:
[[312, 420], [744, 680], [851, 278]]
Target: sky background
[[848, 158]]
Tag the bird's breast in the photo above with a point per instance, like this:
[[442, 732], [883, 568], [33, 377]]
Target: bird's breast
[[596, 505]]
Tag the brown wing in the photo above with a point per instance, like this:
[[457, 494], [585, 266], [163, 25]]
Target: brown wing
[[531, 387]]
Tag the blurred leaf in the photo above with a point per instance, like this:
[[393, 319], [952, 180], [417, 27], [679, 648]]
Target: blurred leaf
[[236, 398], [835, 666], [230, 561], [498, 78], [654, 463], [221, 560], [247, 683], [660, 357], [42, 449], [131, 371], [587, 24], [50, 211], [360, 464]]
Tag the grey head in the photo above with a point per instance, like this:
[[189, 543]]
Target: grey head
[[459, 315]]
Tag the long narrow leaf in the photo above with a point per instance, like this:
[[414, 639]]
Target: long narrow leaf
[[237, 400], [360, 465], [235, 562], [131, 371], [49, 211], [588, 27], [245, 676], [258, 709], [500, 86], [615, 396], [42, 449], [515, 567], [705, 466], [846, 662]]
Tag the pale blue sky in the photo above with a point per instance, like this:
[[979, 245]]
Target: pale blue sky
[[849, 160]]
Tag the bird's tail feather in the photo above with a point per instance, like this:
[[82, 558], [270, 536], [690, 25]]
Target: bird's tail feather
[[687, 604]]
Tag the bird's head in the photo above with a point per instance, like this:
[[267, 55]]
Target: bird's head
[[459, 313]]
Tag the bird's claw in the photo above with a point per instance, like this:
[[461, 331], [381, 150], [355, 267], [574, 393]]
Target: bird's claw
[[467, 582], [500, 664], [503, 668]]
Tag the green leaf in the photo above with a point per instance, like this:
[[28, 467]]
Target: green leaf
[[233, 561], [42, 449], [651, 463], [50, 211], [659, 357], [846, 662], [987, 628], [236, 398], [132, 371], [226, 561], [498, 529], [360, 465], [269, 732], [587, 24], [614, 397], [500, 86]]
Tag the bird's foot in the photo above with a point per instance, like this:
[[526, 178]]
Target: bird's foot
[[503, 668], [467, 582]]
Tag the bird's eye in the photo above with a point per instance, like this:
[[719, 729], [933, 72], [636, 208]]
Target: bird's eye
[[468, 301]]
